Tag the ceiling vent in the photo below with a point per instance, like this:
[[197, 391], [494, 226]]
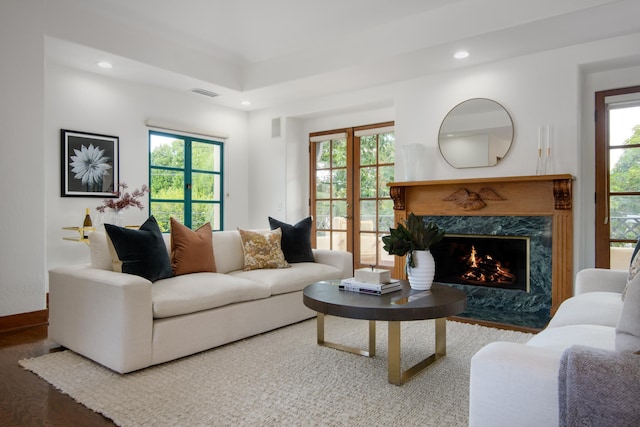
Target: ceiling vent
[[205, 92]]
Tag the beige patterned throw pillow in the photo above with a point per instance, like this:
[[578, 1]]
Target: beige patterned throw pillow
[[262, 249]]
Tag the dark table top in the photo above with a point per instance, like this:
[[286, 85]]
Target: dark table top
[[406, 304]]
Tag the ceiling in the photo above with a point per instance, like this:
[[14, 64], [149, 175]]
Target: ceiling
[[281, 51]]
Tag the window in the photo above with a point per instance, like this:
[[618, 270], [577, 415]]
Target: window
[[186, 180], [617, 176]]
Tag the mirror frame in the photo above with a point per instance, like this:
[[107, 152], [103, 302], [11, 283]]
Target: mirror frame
[[479, 136]]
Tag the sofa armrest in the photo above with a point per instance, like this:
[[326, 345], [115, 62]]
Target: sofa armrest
[[514, 385], [339, 259], [103, 315], [600, 280]]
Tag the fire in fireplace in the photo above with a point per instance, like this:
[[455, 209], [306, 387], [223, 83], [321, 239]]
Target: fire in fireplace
[[491, 261]]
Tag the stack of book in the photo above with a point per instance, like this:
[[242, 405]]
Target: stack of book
[[354, 285]]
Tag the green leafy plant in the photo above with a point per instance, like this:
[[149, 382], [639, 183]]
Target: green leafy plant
[[413, 234]]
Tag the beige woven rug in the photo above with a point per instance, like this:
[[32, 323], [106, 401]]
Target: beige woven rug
[[283, 378]]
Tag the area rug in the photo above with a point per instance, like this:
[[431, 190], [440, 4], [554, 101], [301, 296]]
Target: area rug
[[283, 378]]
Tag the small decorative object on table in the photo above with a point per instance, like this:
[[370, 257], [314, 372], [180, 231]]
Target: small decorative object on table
[[414, 238], [124, 200]]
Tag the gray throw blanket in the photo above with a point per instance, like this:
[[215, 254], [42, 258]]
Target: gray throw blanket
[[599, 388]]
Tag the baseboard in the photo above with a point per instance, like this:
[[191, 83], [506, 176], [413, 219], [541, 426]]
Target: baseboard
[[25, 320]]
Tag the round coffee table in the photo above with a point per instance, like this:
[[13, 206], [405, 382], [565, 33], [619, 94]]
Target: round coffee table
[[403, 305]]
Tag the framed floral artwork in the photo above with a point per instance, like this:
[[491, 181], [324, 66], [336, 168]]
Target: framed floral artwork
[[90, 166]]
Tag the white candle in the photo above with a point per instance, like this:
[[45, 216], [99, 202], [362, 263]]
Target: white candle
[[539, 136], [548, 140]]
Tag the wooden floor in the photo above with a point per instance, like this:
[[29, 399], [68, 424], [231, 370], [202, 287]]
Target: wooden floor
[[27, 400]]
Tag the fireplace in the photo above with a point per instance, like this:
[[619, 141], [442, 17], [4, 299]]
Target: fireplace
[[493, 261], [533, 209]]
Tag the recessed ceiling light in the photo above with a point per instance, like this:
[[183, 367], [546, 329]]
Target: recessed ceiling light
[[461, 54], [105, 64], [246, 103]]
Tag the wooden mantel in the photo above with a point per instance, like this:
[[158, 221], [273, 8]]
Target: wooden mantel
[[543, 195]]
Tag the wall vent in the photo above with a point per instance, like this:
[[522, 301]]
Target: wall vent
[[205, 92]]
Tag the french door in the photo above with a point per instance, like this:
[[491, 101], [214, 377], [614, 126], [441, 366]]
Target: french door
[[350, 202], [617, 176]]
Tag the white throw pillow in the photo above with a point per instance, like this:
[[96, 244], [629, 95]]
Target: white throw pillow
[[99, 251]]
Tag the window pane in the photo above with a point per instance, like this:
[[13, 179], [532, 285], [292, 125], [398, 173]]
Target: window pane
[[385, 215], [323, 154], [339, 183], [368, 182], [323, 184], [368, 150], [367, 214], [162, 211], [203, 187], [625, 217], [203, 156], [323, 240], [368, 247], [338, 220], [385, 177], [167, 151], [386, 148], [625, 169], [201, 213], [167, 184], [323, 215], [338, 153], [384, 259], [339, 240]]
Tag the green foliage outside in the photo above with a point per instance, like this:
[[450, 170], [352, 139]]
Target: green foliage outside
[[625, 177], [168, 186]]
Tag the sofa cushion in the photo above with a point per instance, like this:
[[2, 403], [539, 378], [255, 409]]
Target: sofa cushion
[[141, 252], [563, 337], [591, 308], [628, 328], [202, 291], [296, 239], [262, 250], [191, 251], [295, 278]]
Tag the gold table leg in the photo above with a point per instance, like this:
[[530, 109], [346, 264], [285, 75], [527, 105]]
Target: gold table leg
[[396, 375], [372, 339]]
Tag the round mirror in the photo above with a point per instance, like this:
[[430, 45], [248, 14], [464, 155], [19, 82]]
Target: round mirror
[[475, 133]]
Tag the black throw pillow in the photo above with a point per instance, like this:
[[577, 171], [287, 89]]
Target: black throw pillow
[[141, 252], [296, 240]]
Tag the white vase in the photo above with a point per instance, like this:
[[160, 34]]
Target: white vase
[[421, 276]]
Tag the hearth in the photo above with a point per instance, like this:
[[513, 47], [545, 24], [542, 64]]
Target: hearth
[[492, 261]]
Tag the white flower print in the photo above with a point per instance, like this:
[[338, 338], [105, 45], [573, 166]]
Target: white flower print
[[89, 164]]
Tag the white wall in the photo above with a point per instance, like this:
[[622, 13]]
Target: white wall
[[22, 187], [88, 102]]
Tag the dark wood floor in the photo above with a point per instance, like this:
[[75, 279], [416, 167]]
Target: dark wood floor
[[27, 400]]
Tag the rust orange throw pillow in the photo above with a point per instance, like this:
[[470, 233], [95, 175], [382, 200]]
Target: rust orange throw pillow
[[191, 251]]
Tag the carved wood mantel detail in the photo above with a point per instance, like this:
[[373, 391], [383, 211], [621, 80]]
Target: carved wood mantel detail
[[544, 195]]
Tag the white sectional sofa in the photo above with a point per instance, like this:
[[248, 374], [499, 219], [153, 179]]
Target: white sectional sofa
[[518, 384], [125, 322]]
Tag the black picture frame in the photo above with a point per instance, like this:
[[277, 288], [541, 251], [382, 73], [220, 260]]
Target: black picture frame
[[89, 163]]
